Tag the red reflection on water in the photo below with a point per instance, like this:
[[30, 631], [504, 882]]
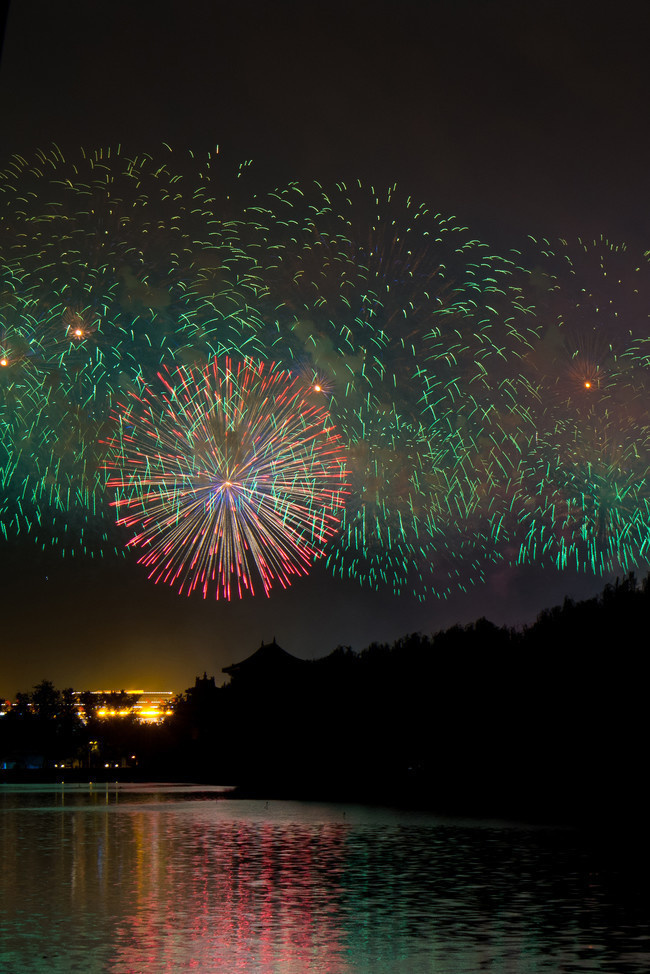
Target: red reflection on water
[[232, 896]]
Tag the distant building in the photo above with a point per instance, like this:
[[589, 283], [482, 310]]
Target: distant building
[[147, 706], [204, 688]]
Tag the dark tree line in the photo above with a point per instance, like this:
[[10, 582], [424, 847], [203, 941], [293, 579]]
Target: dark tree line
[[549, 720], [43, 729], [478, 718]]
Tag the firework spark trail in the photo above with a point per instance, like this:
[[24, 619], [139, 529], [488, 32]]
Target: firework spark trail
[[232, 473]]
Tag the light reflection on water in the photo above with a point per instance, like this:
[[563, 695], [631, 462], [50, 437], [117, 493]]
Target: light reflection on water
[[130, 880]]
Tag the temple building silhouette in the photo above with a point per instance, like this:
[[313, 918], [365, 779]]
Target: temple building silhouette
[[268, 664]]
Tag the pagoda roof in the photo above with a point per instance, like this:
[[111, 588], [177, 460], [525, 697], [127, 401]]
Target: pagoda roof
[[268, 658]]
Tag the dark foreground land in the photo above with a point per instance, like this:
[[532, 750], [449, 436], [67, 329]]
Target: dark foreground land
[[548, 724]]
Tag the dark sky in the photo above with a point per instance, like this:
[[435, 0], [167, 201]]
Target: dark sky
[[529, 116], [516, 117]]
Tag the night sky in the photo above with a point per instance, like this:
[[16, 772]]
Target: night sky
[[516, 117]]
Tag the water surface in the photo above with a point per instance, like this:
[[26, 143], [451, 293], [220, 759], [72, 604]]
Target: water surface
[[174, 879]]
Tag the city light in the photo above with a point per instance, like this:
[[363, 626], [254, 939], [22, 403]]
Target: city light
[[145, 706]]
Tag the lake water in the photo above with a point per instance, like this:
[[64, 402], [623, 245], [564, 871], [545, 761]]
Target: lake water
[[136, 879]]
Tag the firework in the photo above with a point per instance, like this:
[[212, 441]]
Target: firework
[[111, 262], [129, 247], [50, 459], [589, 284], [406, 492], [583, 491], [410, 321], [593, 497], [491, 408], [232, 477], [351, 280]]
